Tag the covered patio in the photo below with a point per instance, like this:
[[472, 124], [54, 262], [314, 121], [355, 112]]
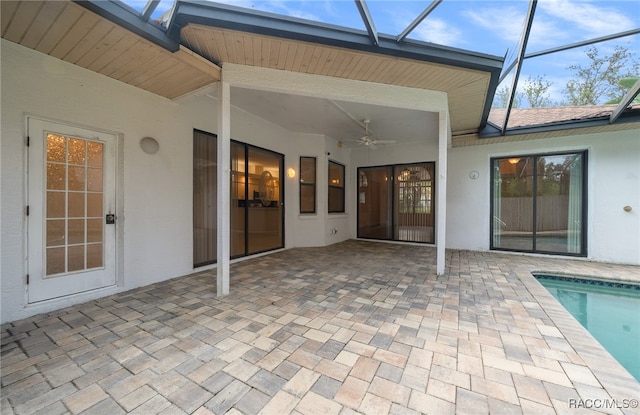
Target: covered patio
[[377, 332]]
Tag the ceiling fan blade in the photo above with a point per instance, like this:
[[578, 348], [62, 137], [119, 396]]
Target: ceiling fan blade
[[372, 146], [385, 141]]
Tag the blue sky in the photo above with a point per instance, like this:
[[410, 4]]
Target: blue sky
[[492, 27]]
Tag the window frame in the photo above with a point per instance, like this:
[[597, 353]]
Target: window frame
[[304, 184], [333, 186], [583, 200]]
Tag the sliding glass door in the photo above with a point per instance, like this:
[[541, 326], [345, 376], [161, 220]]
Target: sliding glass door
[[396, 202], [257, 210], [205, 198], [538, 203], [414, 214], [375, 204]]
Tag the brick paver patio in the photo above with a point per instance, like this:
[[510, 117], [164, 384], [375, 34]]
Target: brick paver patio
[[357, 327]]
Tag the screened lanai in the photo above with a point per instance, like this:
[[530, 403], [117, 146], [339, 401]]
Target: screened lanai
[[547, 47]]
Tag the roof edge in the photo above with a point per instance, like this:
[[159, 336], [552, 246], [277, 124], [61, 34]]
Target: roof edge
[[120, 14], [271, 24], [492, 131]]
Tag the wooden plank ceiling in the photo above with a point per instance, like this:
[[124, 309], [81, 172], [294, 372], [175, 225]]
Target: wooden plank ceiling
[[76, 35], [467, 89]]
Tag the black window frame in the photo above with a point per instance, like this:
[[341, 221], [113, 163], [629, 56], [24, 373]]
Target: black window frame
[[341, 186], [584, 201], [304, 184]]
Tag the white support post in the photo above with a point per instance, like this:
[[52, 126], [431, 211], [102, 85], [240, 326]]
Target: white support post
[[224, 186], [441, 186]]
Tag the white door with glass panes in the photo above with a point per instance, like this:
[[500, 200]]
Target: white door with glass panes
[[71, 221]]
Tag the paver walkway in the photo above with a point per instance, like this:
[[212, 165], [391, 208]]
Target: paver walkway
[[357, 327]]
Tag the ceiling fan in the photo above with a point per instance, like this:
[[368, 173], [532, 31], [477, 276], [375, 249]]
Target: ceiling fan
[[369, 140]]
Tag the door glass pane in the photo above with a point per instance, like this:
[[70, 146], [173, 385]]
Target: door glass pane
[[68, 230], [94, 205], [559, 203], [76, 151], [55, 232], [94, 179], [56, 148], [205, 198], [76, 204], [56, 176], [94, 230], [94, 154], [55, 205], [75, 231], [75, 258], [265, 174], [513, 203], [94, 255], [76, 178], [375, 202], [238, 199], [55, 260], [414, 213]]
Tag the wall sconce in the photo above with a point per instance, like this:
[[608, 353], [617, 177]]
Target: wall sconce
[[149, 145], [291, 173], [514, 160]]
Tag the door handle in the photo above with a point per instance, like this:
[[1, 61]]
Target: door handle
[[110, 219]]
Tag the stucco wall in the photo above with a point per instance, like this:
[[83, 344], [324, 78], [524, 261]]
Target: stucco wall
[[156, 216], [156, 190], [613, 182]]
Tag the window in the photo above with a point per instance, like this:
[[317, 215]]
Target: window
[[205, 201], [336, 187], [307, 185], [538, 203]]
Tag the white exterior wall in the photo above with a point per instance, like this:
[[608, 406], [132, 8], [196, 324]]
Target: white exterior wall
[[155, 218], [156, 190], [613, 182]]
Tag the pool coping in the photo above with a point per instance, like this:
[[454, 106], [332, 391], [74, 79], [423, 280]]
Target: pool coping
[[612, 376]]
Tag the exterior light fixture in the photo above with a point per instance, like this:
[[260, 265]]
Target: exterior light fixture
[[149, 145]]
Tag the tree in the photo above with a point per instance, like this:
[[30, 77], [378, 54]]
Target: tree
[[627, 83], [502, 97], [536, 91], [598, 81]]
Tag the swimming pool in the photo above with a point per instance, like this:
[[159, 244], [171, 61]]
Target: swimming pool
[[610, 311]]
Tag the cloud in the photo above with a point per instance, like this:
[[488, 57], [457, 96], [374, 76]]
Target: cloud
[[505, 22], [436, 31], [431, 29], [593, 20]]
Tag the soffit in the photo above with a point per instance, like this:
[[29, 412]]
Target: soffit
[[76, 35], [467, 89]]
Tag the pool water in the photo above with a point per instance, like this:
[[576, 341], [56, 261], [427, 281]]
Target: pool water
[[609, 311]]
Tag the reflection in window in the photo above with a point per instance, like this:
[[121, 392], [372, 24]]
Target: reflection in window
[[336, 188], [205, 198], [396, 202], [307, 185], [74, 208]]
